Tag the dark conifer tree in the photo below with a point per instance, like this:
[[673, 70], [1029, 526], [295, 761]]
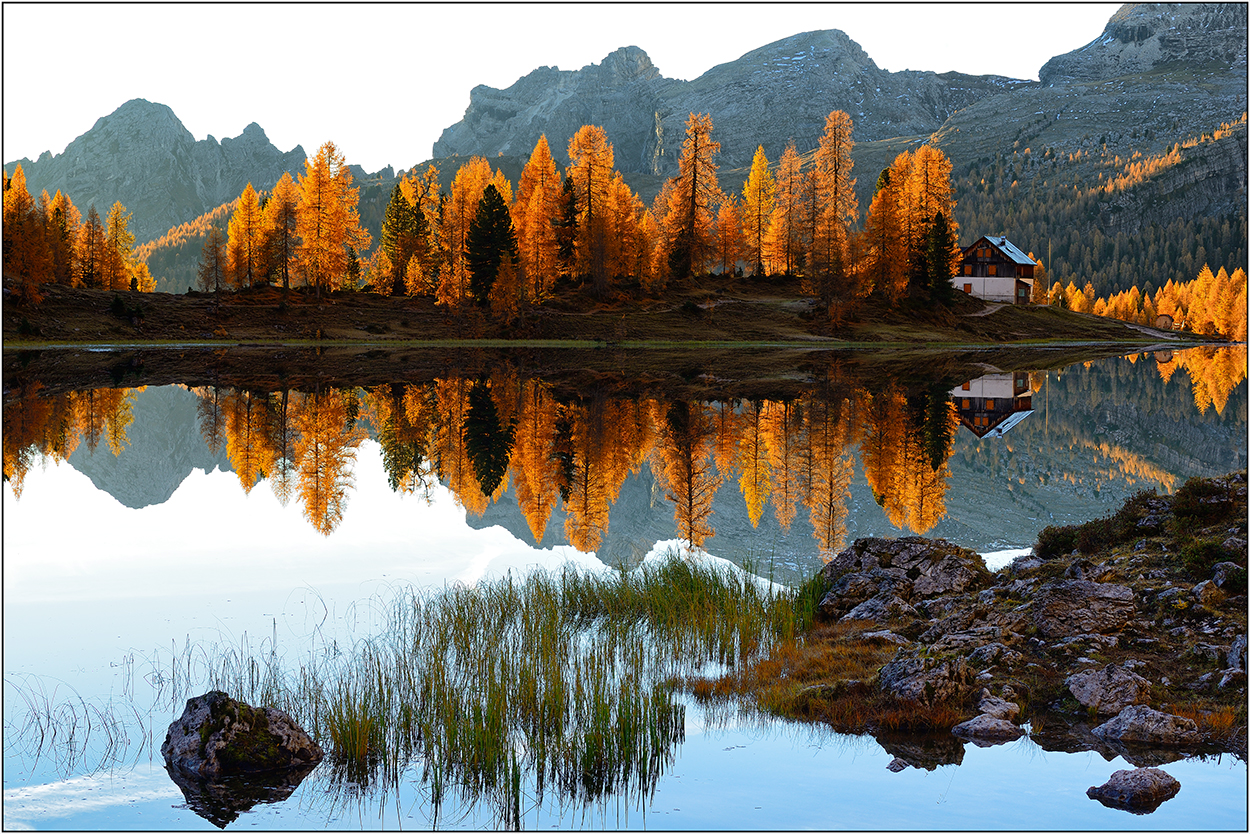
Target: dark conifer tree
[[487, 441], [566, 233], [490, 240], [939, 260], [403, 233]]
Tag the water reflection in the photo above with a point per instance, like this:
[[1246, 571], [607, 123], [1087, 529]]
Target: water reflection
[[489, 434]]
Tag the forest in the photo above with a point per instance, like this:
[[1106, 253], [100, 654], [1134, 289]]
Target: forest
[[583, 230]]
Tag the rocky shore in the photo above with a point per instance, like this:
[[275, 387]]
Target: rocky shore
[[1125, 635]]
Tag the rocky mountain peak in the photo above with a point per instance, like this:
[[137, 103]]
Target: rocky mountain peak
[[627, 64], [1141, 37], [142, 156]]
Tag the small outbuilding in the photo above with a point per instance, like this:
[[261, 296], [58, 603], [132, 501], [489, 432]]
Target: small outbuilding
[[995, 269]]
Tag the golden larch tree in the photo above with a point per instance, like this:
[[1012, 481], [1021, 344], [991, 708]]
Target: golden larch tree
[[327, 220], [685, 472], [466, 192], [280, 232], [695, 193], [534, 215], [325, 453], [758, 194], [592, 161], [830, 272], [783, 247], [246, 232]]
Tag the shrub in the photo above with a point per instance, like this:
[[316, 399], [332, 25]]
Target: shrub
[[1201, 499], [1055, 541], [1201, 555]]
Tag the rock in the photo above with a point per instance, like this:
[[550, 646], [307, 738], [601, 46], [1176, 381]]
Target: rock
[[217, 737], [1141, 37], [1229, 577], [923, 679], [885, 635], [998, 708], [1139, 791], [1207, 592], [1143, 725], [1108, 690], [924, 751], [1076, 606], [993, 653], [1237, 653], [896, 764], [221, 802], [988, 728], [879, 610]]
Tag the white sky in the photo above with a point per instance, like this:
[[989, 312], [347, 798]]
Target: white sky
[[383, 81]]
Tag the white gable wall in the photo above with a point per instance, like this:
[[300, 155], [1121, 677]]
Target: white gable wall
[[996, 288]]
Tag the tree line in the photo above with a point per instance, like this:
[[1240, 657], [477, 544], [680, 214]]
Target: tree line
[[47, 241]]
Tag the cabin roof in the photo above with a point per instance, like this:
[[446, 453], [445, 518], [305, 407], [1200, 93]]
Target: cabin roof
[[1002, 244]]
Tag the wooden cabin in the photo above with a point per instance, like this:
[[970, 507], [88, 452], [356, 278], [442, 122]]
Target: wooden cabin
[[992, 405], [994, 269]]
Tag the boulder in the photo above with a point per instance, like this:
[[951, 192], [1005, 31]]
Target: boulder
[[1138, 791], [1108, 690], [998, 708], [896, 765], [218, 737], [910, 677], [1142, 725], [879, 610], [987, 728], [1237, 654], [993, 653], [1076, 606], [1229, 577]]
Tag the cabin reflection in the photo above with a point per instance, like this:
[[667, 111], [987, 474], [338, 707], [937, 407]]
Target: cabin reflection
[[993, 404]]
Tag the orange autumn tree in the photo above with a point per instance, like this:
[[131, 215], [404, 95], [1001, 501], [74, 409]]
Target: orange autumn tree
[[730, 246], [534, 462], [695, 192], [247, 437], [279, 224], [757, 210], [327, 220], [828, 431], [829, 273], [685, 472], [537, 205], [884, 242], [466, 193], [247, 247], [782, 430], [27, 259], [590, 171], [325, 452], [784, 245], [62, 223], [752, 461]]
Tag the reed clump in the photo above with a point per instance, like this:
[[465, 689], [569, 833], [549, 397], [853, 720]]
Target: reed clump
[[508, 689]]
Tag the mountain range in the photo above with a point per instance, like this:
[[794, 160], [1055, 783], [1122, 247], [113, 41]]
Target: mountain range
[[1157, 74]]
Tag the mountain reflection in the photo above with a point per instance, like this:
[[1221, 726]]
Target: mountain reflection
[[485, 434]]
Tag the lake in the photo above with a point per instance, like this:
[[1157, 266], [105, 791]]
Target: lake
[[151, 530]]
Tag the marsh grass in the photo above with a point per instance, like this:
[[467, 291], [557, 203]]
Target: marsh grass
[[504, 692]]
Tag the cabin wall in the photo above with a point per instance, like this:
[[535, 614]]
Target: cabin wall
[[987, 289]]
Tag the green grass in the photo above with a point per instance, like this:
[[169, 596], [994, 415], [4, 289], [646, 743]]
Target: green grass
[[499, 692]]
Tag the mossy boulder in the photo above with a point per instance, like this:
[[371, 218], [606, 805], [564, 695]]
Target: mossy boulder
[[218, 737]]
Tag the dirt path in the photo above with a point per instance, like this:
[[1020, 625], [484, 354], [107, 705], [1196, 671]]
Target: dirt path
[[989, 308]]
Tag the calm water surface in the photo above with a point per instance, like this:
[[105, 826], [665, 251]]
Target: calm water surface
[[165, 536]]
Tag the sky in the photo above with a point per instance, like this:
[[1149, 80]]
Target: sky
[[383, 81]]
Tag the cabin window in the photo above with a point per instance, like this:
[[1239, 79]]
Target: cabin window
[[967, 386], [967, 403], [967, 269], [989, 405], [993, 269]]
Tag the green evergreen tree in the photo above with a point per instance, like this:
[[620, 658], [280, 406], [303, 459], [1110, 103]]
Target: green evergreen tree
[[487, 442], [939, 261], [404, 230], [490, 240]]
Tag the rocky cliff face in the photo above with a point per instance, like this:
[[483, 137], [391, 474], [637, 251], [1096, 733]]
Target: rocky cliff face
[[1142, 37], [142, 156], [797, 81]]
